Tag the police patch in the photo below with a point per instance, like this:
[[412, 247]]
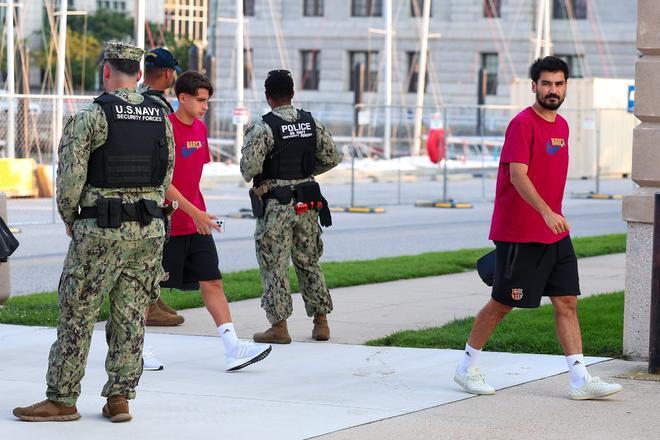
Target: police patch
[[128, 112], [516, 294], [296, 130]]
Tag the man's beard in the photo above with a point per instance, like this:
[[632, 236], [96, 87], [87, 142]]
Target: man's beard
[[548, 104]]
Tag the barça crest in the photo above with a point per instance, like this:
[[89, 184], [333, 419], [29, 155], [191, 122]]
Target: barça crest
[[517, 294]]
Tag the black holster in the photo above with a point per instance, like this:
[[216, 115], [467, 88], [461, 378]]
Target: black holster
[[258, 208]]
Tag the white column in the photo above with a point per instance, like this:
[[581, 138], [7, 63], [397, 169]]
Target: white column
[[421, 76], [539, 29], [387, 146], [240, 91], [11, 85], [140, 19], [547, 38], [61, 58]]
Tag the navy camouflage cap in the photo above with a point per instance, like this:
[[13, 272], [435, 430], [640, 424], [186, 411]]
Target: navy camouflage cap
[[118, 50]]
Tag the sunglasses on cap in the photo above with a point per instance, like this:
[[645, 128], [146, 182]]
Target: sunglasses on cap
[[284, 71]]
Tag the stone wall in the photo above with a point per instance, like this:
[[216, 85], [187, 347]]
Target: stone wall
[[638, 207]]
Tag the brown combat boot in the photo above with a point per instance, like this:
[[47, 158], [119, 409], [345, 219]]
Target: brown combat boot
[[321, 331], [117, 409], [47, 411], [159, 317], [164, 307], [276, 334]]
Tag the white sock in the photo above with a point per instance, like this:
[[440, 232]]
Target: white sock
[[147, 347], [578, 370], [229, 338], [469, 359]]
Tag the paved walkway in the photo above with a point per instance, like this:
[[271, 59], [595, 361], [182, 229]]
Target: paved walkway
[[374, 310], [340, 390]]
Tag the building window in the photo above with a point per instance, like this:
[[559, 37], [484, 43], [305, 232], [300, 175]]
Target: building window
[[575, 64], [248, 8], [492, 8], [313, 8], [413, 73], [370, 62], [114, 5], [247, 68], [417, 8], [568, 9], [490, 64], [311, 69], [367, 8]]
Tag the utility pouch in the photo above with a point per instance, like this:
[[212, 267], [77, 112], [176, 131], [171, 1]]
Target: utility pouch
[[108, 213], [146, 210], [283, 194], [257, 204], [308, 192]]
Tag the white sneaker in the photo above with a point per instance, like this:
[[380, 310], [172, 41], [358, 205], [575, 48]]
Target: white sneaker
[[246, 353], [150, 361], [473, 381], [594, 388]]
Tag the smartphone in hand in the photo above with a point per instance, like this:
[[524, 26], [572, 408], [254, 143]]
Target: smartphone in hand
[[220, 223]]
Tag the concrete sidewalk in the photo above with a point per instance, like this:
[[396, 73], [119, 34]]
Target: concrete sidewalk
[[341, 390], [372, 311], [301, 390]]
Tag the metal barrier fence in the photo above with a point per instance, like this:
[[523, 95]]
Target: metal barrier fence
[[600, 142]]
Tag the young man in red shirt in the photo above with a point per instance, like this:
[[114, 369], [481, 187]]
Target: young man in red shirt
[[534, 254], [190, 256]]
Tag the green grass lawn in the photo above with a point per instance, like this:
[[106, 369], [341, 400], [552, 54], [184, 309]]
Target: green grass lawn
[[530, 331], [42, 309]]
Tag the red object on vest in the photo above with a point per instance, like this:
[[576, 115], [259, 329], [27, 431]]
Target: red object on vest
[[435, 144]]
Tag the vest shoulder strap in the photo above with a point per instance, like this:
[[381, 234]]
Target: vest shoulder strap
[[153, 92], [105, 98], [271, 119]]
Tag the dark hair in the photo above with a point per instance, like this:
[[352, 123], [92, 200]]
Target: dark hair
[[151, 71], [127, 67], [190, 82], [548, 64], [279, 84]]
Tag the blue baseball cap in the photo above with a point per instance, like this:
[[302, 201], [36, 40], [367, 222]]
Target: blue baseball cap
[[161, 57]]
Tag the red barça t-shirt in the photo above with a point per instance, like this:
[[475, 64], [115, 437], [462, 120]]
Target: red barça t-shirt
[[192, 152], [543, 146]]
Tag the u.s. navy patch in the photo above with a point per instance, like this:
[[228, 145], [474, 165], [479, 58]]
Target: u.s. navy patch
[[128, 112]]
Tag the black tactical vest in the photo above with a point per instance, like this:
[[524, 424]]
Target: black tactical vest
[[135, 152], [294, 153]]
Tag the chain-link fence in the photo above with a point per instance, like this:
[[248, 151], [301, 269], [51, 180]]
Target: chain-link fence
[[34, 122]]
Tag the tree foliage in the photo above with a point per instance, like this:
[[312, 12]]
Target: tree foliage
[[87, 35]]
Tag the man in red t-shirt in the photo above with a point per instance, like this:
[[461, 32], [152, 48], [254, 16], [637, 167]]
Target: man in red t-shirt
[[190, 257], [534, 254]]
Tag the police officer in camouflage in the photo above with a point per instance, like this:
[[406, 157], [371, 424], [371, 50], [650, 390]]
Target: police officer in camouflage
[[281, 155], [115, 160]]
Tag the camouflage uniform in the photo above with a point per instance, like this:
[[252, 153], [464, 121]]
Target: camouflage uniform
[[142, 87], [280, 234], [123, 263]]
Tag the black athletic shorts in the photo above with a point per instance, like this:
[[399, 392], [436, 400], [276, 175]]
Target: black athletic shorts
[[524, 272], [189, 259]]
